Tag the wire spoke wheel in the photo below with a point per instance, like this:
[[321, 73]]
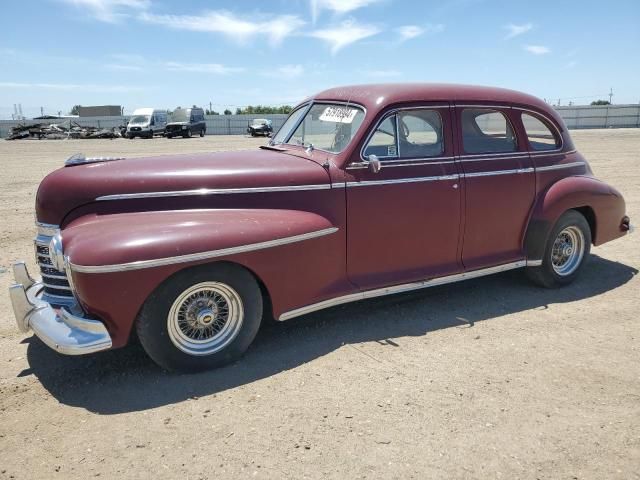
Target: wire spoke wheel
[[205, 318], [567, 251]]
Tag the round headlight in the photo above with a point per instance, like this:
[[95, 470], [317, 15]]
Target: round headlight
[[55, 252]]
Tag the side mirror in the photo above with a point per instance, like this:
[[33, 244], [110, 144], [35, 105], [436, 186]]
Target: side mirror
[[374, 163]]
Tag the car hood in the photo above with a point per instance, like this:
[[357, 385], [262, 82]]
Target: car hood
[[71, 187]]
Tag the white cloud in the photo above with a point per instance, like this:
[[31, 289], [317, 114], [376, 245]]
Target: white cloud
[[73, 87], [337, 6], [407, 32], [383, 73], [276, 29], [515, 30], [110, 11], [346, 33], [571, 64], [286, 72], [215, 68], [537, 49]]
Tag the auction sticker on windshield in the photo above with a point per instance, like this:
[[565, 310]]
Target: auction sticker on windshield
[[338, 114]]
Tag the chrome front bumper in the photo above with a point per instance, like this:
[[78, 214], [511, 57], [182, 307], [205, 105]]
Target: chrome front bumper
[[66, 332]]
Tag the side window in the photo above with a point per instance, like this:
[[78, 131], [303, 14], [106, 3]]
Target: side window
[[486, 131], [540, 136], [384, 143], [420, 133]]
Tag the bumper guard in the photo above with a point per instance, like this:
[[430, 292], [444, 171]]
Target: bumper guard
[[66, 332]]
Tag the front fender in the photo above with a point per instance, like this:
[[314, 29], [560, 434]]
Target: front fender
[[584, 193], [130, 241], [117, 260]]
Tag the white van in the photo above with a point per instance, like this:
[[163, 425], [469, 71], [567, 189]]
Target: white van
[[146, 122]]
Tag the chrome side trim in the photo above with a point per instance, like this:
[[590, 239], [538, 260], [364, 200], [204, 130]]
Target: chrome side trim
[[396, 163], [212, 191], [498, 172], [508, 157], [354, 297], [195, 257], [534, 263], [550, 153], [559, 166], [402, 180]]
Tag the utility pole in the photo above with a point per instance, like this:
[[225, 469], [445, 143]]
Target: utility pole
[[41, 111], [210, 108], [610, 94]]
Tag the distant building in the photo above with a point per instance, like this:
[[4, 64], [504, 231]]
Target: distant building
[[100, 111]]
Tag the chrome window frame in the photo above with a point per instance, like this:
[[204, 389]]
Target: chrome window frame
[[309, 106], [398, 158], [545, 121], [494, 108]]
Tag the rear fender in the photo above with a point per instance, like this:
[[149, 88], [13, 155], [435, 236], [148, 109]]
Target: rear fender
[[604, 204], [116, 261]]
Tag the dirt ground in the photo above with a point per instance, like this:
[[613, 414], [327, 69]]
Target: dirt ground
[[489, 378]]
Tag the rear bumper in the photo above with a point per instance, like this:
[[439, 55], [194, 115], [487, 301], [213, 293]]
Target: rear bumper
[[63, 329]]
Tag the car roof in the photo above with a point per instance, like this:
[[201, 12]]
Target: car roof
[[374, 97]]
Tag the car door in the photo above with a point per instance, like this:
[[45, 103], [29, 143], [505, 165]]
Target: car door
[[403, 221], [498, 182]]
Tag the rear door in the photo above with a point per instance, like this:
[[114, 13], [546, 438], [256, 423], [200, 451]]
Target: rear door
[[404, 221], [499, 185]]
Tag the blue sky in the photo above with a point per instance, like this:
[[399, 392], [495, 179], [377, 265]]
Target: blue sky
[[163, 53]]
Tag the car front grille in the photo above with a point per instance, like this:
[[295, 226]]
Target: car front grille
[[57, 290]]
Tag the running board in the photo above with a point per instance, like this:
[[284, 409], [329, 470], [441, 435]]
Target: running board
[[407, 287]]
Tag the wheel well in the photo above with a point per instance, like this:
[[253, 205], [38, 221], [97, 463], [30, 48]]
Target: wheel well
[[590, 216]]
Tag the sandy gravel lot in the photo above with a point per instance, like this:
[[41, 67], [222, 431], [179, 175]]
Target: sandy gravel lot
[[491, 378]]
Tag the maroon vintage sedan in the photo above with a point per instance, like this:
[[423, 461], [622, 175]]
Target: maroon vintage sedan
[[364, 191]]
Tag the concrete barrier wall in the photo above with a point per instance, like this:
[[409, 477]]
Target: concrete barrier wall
[[576, 117]]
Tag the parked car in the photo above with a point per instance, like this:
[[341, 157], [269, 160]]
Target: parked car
[[260, 126], [186, 122], [364, 191], [146, 122]]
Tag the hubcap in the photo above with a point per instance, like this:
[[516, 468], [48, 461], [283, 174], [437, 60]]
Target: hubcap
[[205, 318], [567, 251]]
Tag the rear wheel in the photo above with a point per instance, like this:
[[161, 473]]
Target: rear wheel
[[567, 249], [201, 318]]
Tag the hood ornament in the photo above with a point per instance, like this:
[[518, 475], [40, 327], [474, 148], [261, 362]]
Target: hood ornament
[[80, 159]]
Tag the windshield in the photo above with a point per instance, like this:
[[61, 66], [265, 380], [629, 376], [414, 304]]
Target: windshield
[[180, 115], [326, 126], [144, 119], [259, 121]]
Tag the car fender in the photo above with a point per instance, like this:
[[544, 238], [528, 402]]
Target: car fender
[[116, 261], [603, 206]]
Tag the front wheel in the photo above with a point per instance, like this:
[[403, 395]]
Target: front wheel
[[567, 249], [201, 318], [202, 132]]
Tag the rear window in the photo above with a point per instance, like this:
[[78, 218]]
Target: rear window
[[487, 131], [540, 136]]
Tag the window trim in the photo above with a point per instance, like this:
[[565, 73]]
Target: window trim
[[499, 109], [396, 159], [545, 121], [309, 105]]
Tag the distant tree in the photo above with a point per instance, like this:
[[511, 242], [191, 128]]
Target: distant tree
[[211, 112], [228, 112], [75, 110], [263, 110], [601, 102]]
